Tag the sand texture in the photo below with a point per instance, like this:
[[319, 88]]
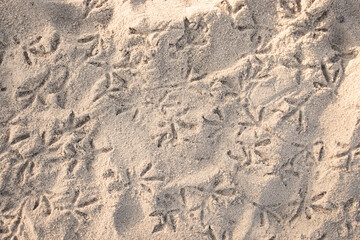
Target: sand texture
[[179, 119]]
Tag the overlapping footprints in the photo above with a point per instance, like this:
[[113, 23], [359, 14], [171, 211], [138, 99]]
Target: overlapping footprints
[[313, 27], [76, 205], [20, 172], [255, 132], [41, 46], [50, 80], [91, 43]]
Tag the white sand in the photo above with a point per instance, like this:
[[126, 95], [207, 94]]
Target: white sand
[[179, 119]]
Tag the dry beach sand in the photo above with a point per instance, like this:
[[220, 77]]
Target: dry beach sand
[[179, 119]]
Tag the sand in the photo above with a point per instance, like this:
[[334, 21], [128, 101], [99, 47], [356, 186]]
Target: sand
[[179, 119]]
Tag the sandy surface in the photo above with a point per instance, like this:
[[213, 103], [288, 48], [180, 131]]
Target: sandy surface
[[179, 119]]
